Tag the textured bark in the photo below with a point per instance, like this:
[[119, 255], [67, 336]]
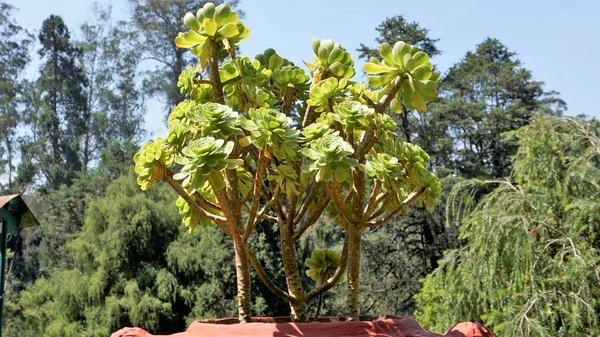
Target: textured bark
[[233, 214], [354, 238], [243, 284], [231, 206], [213, 67], [292, 274]]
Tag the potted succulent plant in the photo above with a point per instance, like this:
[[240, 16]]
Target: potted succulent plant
[[262, 139]]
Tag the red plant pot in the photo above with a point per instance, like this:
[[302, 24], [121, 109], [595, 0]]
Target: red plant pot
[[385, 326]]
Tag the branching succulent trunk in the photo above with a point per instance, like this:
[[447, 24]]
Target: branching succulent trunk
[[231, 206], [283, 153], [292, 274], [243, 284], [354, 240]]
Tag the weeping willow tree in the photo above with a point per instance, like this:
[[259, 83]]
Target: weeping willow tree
[[530, 264]]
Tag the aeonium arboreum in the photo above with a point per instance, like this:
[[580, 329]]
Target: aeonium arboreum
[[264, 140]]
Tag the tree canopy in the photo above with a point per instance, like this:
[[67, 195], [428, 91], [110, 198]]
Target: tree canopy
[[530, 263]]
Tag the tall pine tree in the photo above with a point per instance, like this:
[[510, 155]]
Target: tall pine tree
[[487, 93], [64, 118]]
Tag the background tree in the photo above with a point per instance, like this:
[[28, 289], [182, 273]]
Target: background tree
[[532, 255], [62, 121], [119, 257], [484, 95], [104, 132], [15, 44], [157, 21], [115, 101]]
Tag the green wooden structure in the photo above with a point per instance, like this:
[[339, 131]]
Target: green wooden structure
[[14, 215]]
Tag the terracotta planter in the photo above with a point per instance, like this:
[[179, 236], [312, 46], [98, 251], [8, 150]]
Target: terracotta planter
[[385, 326]]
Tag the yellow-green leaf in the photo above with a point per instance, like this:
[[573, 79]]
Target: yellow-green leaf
[[418, 102], [372, 68], [385, 50], [210, 26], [229, 30], [189, 39]]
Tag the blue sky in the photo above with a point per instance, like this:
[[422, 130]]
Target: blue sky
[[556, 40]]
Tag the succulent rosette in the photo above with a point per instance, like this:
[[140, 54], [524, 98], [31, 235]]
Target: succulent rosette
[[272, 128], [329, 157], [204, 159], [419, 83], [322, 264], [150, 163]]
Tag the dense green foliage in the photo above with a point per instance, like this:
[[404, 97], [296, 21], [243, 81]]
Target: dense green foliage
[[94, 81], [484, 95], [531, 258], [134, 264]]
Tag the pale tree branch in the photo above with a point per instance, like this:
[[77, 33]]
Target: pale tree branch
[[260, 215], [224, 201], [265, 279], [261, 167], [412, 197], [372, 201], [313, 216], [383, 200], [206, 204], [219, 220], [368, 137], [310, 195]]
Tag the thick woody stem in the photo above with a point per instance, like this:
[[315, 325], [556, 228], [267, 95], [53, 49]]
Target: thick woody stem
[[292, 273], [243, 283], [309, 117], [241, 257], [288, 99], [213, 67], [354, 238], [258, 178]]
